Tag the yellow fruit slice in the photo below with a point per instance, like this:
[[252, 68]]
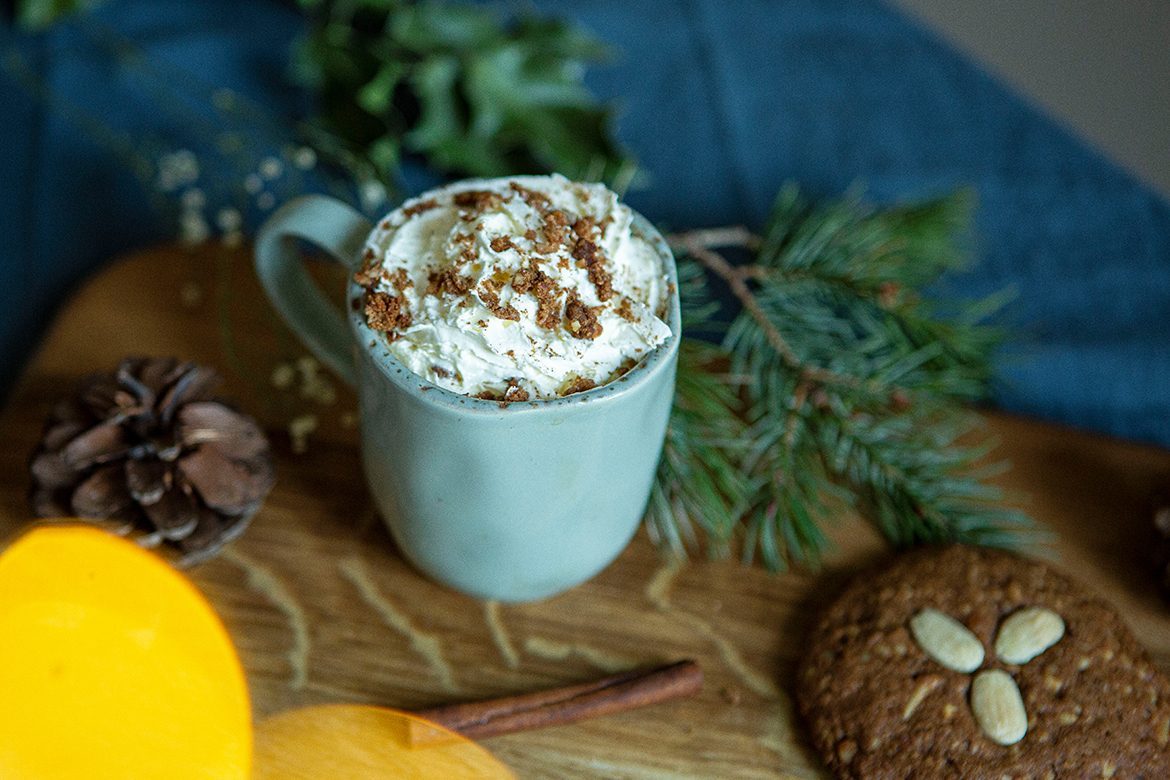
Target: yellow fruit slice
[[358, 742], [112, 665]]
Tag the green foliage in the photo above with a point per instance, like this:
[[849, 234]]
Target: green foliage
[[474, 94], [842, 386], [39, 14]]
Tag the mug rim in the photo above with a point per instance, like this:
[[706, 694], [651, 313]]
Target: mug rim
[[426, 391]]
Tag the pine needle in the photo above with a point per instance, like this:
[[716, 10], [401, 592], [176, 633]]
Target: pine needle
[[838, 384]]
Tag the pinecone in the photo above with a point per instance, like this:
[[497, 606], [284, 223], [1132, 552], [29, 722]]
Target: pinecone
[[148, 450]]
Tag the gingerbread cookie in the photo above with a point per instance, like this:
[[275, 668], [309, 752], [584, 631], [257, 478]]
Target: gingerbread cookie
[[973, 663]]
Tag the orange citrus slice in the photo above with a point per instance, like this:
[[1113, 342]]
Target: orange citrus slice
[[112, 665], [358, 742]]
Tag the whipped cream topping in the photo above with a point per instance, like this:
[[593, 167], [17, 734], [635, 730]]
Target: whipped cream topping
[[519, 288]]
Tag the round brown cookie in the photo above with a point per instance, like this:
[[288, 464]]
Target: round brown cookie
[[878, 706]]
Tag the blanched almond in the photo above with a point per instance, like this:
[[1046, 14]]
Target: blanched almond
[[1027, 633], [998, 707], [946, 640]]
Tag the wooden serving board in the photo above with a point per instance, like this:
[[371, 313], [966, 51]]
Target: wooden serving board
[[323, 609]]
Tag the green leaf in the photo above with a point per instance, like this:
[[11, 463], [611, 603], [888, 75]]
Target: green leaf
[[473, 93], [428, 28], [39, 14], [441, 118], [384, 154], [307, 64], [377, 94]]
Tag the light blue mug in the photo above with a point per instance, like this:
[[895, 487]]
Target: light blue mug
[[513, 502]]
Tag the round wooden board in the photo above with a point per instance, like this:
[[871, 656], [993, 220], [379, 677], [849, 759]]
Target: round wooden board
[[323, 609]]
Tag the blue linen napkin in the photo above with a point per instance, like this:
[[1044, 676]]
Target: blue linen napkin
[[721, 102]]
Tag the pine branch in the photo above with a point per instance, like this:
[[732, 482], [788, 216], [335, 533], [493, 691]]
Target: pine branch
[[848, 386], [700, 482]]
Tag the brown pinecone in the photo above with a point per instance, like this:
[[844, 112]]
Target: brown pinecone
[[149, 450]]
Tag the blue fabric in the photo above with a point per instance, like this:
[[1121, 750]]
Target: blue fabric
[[721, 102]]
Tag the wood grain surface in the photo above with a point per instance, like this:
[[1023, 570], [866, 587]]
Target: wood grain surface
[[323, 609]]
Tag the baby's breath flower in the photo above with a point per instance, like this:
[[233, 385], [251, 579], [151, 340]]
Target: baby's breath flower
[[193, 228], [177, 169], [193, 199], [304, 158], [299, 429], [271, 168], [372, 194], [229, 219], [283, 376]]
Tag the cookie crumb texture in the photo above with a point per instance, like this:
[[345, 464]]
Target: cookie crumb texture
[[485, 286], [878, 707]]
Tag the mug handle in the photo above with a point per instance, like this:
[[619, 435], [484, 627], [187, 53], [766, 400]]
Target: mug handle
[[341, 232]]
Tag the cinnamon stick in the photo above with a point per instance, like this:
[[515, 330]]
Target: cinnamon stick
[[569, 704]]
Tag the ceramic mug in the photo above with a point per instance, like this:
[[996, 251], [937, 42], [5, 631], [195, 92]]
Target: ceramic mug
[[514, 502]]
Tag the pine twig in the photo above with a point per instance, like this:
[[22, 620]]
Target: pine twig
[[848, 385], [700, 244], [699, 247]]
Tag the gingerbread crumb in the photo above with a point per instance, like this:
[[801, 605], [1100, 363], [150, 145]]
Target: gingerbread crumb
[[548, 301], [489, 293], [578, 384], [623, 369], [477, 201], [625, 310], [582, 320], [535, 199], [385, 312], [585, 229], [585, 253], [514, 392], [523, 280], [371, 270], [589, 255], [441, 372], [468, 253], [448, 281], [553, 232], [544, 289], [502, 243], [399, 279], [419, 208]]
